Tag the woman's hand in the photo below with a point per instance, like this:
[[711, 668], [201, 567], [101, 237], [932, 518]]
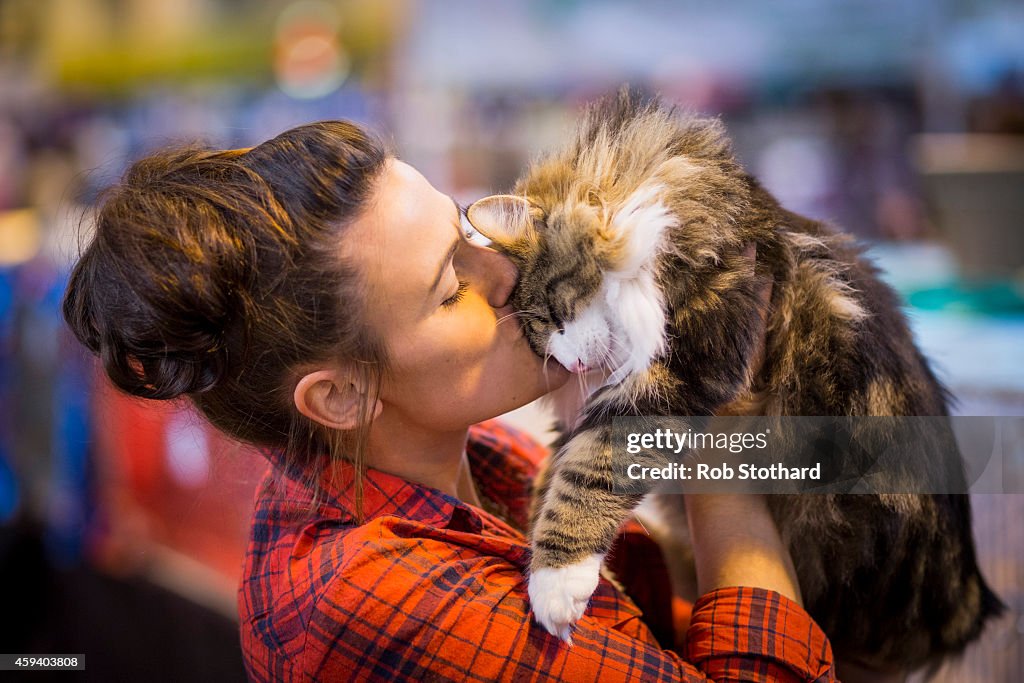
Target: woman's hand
[[736, 543]]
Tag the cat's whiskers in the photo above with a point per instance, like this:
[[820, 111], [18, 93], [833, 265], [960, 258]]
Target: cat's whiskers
[[514, 314], [614, 342], [525, 315], [582, 382], [547, 356], [606, 350]]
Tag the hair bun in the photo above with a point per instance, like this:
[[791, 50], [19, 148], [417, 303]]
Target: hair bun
[[145, 363], [155, 293], [174, 374]]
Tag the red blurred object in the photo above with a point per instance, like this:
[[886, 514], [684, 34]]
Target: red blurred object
[[177, 495]]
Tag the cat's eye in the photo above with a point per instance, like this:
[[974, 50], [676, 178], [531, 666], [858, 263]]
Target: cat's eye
[[557, 322]]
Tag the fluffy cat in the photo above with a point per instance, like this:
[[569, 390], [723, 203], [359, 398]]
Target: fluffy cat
[[636, 248]]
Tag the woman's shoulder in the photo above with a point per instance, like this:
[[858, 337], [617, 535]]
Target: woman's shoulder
[[297, 556], [400, 518], [402, 590], [386, 581]]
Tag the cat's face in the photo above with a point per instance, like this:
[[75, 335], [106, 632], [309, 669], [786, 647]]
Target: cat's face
[[587, 293]]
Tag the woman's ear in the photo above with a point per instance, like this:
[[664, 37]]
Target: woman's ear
[[332, 398], [503, 218]]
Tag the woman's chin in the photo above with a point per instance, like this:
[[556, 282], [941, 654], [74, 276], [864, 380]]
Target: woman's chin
[[556, 374]]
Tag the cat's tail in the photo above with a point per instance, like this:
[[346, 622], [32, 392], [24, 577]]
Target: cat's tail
[[980, 604]]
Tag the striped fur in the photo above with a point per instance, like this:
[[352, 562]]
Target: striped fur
[[632, 246]]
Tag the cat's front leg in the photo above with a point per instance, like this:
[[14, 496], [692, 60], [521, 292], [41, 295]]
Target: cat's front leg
[[586, 499]]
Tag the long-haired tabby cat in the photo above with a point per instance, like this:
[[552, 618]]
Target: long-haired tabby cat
[[634, 245]]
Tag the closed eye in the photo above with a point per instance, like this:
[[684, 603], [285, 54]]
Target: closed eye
[[557, 321], [455, 298]]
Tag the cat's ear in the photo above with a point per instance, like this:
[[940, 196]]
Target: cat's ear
[[503, 218]]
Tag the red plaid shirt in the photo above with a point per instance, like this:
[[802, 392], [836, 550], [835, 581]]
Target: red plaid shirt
[[429, 588]]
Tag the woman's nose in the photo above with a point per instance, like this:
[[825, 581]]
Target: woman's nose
[[496, 274]]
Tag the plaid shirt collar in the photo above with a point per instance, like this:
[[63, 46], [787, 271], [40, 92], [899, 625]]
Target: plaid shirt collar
[[502, 474]]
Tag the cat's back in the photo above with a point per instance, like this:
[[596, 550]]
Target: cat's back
[[839, 328]]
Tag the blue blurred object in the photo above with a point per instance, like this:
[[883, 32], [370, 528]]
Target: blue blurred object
[[9, 497], [971, 331], [9, 491], [997, 297], [71, 505]]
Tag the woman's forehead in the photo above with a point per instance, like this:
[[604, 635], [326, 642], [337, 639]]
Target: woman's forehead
[[403, 235]]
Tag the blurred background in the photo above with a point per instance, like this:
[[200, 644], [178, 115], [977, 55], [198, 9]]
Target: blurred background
[[123, 524]]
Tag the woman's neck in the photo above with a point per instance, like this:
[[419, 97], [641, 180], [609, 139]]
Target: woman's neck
[[428, 457]]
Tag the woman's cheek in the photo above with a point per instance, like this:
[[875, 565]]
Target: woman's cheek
[[478, 326]]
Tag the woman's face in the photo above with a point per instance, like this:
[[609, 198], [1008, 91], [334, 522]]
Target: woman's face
[[457, 354]]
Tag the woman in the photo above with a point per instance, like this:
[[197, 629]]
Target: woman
[[318, 297]]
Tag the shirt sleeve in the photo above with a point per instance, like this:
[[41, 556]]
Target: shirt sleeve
[[400, 615]]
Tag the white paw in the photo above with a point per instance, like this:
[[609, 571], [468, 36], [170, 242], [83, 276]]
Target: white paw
[[559, 595]]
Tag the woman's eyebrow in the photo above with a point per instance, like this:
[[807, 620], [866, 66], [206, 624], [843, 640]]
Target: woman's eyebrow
[[460, 211], [451, 249]]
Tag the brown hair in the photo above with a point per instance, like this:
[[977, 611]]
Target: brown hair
[[216, 275]]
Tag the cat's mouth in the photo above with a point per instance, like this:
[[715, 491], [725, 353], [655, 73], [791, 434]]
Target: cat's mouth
[[573, 361], [582, 348]]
